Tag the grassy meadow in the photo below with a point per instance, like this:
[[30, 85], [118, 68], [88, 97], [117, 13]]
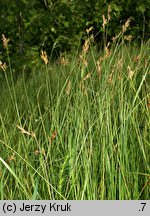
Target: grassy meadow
[[78, 128]]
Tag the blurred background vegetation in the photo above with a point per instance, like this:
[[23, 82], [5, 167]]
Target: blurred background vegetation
[[58, 26]]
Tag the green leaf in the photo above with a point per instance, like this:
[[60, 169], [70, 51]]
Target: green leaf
[[141, 8]]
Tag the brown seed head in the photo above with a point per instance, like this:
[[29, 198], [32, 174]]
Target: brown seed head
[[11, 158], [53, 136], [99, 68], [23, 131], [3, 66], [63, 60], [104, 21], [36, 152], [68, 88], [87, 76], [83, 60], [86, 45], [107, 50], [126, 25], [5, 41], [128, 37], [130, 72], [89, 29], [43, 152], [109, 11], [44, 57]]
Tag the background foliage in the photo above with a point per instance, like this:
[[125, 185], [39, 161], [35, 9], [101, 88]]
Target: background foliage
[[59, 25]]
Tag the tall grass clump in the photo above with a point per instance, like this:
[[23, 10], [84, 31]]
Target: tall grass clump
[[78, 128]]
